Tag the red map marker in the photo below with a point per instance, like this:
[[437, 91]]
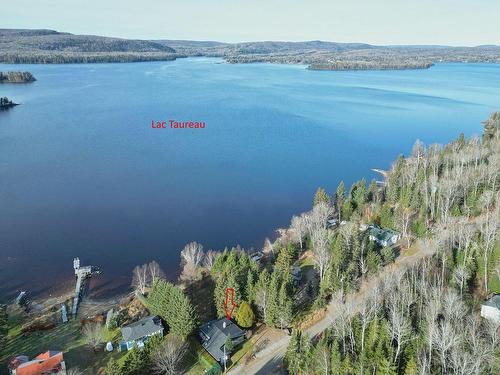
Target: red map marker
[[229, 301]]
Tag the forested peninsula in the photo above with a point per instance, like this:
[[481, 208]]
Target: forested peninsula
[[16, 77], [18, 46]]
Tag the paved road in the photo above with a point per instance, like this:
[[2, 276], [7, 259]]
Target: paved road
[[268, 361]]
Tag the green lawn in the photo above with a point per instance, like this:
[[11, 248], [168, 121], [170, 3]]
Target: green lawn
[[65, 337], [197, 360]]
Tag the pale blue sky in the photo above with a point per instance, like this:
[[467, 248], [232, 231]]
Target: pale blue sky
[[453, 22]]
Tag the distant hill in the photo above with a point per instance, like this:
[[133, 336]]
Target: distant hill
[[321, 55], [49, 46]]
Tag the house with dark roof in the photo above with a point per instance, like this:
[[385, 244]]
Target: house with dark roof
[[491, 309], [215, 334], [50, 362], [382, 236], [137, 334]]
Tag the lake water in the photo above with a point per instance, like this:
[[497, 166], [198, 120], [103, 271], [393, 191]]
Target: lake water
[[82, 173]]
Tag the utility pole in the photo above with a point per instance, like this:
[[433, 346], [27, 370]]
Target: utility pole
[[225, 359]]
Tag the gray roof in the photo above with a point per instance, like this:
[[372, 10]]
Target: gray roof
[[493, 301], [214, 336], [142, 328]]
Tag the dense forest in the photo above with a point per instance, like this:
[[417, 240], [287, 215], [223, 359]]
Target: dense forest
[[48, 46], [424, 319]]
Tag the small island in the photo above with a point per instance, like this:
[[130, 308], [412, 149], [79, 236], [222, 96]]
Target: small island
[[16, 77], [6, 103]]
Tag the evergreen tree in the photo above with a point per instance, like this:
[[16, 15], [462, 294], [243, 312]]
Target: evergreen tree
[[372, 191], [386, 367], [250, 287], [262, 293], [292, 356], [284, 311], [359, 195], [113, 368], [321, 196], [172, 305], [335, 358], [245, 316], [182, 322], [159, 299], [339, 198], [411, 367], [220, 294], [347, 209], [386, 216], [4, 328], [273, 304]]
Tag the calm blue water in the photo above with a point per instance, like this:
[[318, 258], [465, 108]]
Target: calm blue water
[[83, 174]]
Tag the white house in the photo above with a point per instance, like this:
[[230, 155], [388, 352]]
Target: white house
[[491, 309]]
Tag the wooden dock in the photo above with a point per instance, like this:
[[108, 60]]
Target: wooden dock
[[82, 274]]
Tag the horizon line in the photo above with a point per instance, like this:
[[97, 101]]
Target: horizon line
[[261, 40]]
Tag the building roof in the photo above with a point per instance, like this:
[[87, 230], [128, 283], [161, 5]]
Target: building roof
[[214, 335], [493, 302], [45, 363], [142, 328], [381, 234]]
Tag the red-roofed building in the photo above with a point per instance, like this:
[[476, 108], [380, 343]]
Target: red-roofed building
[[50, 362]]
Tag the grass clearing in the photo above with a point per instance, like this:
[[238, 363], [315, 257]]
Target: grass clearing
[[65, 337]]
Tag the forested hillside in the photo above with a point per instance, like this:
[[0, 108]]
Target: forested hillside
[[48, 46], [421, 320]]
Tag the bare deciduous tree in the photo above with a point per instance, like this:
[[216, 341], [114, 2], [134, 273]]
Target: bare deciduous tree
[[92, 335], [144, 276], [192, 257], [320, 241], [167, 358], [209, 259], [444, 338], [399, 323], [404, 215], [367, 313], [155, 272], [299, 228], [140, 278]]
